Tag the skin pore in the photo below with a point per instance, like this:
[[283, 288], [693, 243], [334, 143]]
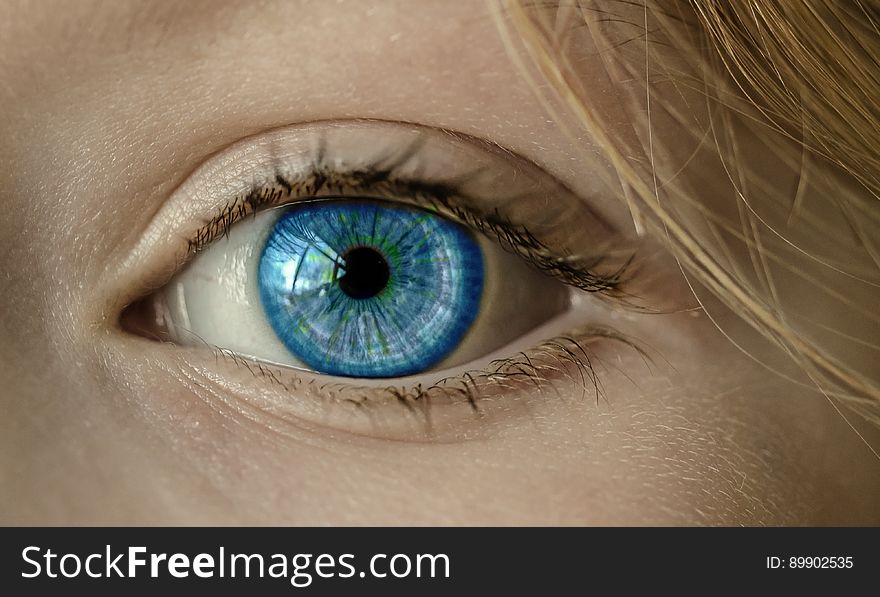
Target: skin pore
[[108, 107]]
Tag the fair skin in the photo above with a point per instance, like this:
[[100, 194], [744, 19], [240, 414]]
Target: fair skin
[[107, 108]]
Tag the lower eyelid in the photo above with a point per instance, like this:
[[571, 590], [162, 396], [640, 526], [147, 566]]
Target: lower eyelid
[[463, 406]]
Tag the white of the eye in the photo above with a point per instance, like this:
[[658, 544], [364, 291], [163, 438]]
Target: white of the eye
[[216, 300], [217, 296]]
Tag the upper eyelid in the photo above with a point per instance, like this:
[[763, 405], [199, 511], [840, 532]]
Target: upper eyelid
[[280, 192], [255, 162]]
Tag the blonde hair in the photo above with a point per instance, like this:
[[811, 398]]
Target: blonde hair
[[775, 105]]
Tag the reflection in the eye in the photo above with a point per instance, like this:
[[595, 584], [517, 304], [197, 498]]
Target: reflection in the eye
[[368, 290], [274, 289]]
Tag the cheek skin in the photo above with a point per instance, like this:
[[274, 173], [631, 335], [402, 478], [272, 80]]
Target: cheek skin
[[685, 443]]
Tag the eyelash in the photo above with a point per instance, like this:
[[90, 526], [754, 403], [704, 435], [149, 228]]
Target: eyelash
[[548, 359], [563, 356], [321, 184]]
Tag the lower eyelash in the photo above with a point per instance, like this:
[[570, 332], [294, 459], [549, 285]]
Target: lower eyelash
[[566, 358]]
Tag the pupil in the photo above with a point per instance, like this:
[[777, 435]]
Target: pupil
[[365, 273]]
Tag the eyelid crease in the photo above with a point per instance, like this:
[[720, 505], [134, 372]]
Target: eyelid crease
[[565, 234]]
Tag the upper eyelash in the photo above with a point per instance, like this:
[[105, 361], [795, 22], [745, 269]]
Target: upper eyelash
[[321, 184]]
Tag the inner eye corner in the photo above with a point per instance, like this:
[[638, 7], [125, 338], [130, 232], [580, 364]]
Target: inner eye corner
[[144, 317]]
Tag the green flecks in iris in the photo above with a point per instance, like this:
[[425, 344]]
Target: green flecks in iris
[[302, 325], [392, 257], [385, 334]]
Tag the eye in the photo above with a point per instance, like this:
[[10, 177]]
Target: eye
[[377, 251], [358, 289]]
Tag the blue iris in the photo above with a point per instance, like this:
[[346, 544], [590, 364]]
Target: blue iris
[[369, 289]]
